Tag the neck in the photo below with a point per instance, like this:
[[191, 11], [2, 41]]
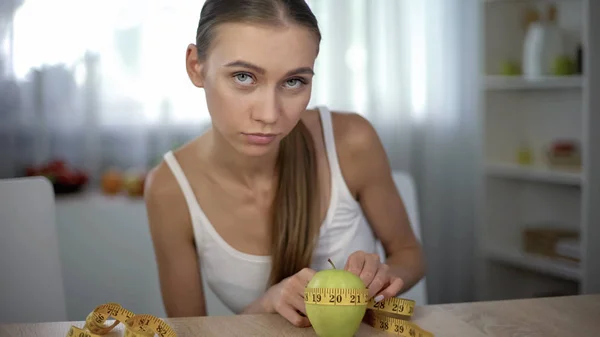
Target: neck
[[244, 169]]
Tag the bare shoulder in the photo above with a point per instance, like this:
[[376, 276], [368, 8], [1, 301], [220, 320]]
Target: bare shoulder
[[360, 152], [165, 202], [354, 134], [161, 185]]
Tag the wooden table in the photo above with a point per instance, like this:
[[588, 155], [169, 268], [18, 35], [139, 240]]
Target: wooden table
[[543, 317]]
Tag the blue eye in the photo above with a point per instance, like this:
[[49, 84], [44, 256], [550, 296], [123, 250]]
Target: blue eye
[[294, 83], [243, 78]]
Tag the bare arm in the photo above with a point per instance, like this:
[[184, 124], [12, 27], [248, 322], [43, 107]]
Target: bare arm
[[172, 237], [371, 175], [285, 298]]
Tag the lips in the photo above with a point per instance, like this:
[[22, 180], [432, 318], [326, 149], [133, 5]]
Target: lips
[[260, 138], [258, 134]]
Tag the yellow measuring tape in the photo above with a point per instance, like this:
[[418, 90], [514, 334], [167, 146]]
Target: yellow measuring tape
[[135, 325], [380, 317], [149, 326]]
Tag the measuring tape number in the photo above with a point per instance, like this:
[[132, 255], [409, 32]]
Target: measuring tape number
[[135, 325], [398, 307]]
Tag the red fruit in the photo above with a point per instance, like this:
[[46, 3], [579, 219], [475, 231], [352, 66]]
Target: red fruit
[[63, 179], [81, 178], [57, 165], [46, 171], [30, 171], [563, 147]]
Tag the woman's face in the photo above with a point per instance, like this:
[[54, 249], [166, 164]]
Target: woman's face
[[257, 81]]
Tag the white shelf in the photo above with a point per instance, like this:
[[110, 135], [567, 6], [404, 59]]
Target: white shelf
[[494, 82], [538, 111], [564, 269], [533, 173]]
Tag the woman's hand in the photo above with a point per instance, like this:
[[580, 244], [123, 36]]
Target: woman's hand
[[287, 297], [374, 274]]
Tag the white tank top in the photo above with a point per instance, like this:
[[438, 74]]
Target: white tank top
[[237, 278]]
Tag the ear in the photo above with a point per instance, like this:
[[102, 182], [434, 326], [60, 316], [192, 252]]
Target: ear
[[193, 66]]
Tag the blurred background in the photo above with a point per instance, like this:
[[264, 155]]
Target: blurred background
[[485, 103]]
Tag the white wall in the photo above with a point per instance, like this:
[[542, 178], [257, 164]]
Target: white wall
[[107, 256]]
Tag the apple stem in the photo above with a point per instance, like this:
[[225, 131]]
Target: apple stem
[[333, 265]]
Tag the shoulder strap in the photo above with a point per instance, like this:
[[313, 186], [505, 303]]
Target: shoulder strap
[[186, 188], [184, 184], [337, 178], [330, 148]]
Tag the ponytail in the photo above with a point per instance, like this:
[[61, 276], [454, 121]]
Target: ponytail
[[296, 215]]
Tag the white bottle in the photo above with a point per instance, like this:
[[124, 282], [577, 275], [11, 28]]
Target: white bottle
[[543, 44]]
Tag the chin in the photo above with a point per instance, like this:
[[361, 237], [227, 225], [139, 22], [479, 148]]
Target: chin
[[254, 150]]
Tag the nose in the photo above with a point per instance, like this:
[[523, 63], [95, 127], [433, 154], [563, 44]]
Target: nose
[[267, 110]]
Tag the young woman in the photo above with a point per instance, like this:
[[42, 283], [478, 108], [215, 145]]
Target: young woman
[[260, 202]]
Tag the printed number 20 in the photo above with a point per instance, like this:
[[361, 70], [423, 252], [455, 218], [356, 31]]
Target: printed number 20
[[335, 299]]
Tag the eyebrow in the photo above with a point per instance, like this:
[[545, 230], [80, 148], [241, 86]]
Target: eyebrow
[[262, 71]]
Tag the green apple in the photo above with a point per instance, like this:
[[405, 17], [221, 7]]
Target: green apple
[[510, 68], [562, 66], [335, 320]]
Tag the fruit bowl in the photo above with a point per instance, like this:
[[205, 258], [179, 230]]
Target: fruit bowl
[[64, 179]]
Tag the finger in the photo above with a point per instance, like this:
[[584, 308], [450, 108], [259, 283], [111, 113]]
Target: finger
[[298, 303], [301, 279], [379, 281], [355, 263], [370, 269], [305, 275], [290, 313], [392, 290], [298, 285]]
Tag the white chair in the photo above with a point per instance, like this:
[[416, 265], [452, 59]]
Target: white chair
[[406, 187], [31, 285]]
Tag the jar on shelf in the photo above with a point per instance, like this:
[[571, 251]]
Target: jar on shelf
[[524, 154]]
